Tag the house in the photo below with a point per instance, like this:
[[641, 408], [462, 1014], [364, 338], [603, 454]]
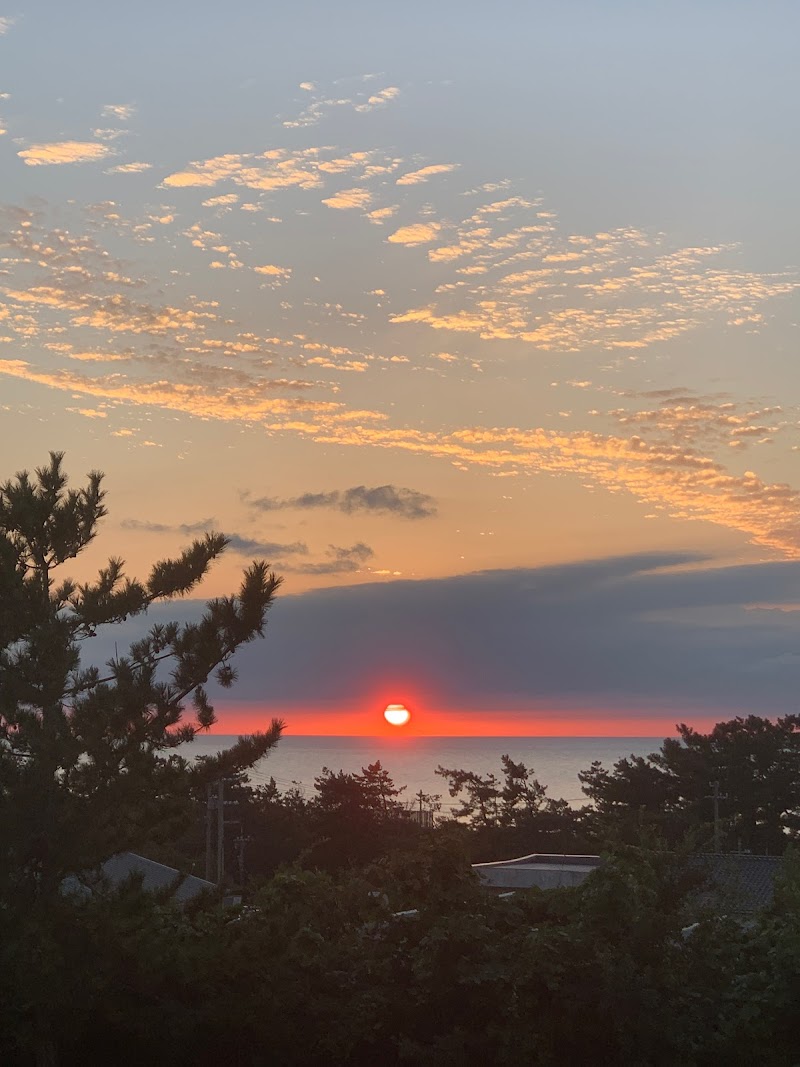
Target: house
[[739, 882], [154, 876], [540, 870]]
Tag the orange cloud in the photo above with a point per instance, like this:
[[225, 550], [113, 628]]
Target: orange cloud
[[213, 393], [415, 177], [381, 213], [273, 271], [379, 99], [272, 170], [221, 201], [57, 152], [681, 482], [418, 233], [130, 168], [347, 199]]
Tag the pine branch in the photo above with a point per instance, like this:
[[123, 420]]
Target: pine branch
[[246, 752]]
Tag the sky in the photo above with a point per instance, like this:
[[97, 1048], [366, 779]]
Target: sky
[[479, 322]]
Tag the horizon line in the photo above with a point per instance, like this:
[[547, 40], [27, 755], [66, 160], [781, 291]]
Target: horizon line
[[454, 737]]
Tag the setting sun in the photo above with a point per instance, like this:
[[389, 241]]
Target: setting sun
[[397, 714]]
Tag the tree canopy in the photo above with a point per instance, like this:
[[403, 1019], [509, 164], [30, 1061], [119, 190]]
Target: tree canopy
[[748, 767], [88, 761]]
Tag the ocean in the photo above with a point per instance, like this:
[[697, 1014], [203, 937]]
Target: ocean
[[412, 761]]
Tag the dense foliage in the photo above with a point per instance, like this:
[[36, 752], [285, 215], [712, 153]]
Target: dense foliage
[[319, 970]]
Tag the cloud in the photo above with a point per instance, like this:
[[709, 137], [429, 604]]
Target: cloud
[[354, 365], [522, 278], [680, 482], [221, 201], [379, 99], [5, 25], [347, 199], [186, 528], [646, 634], [339, 561], [108, 134], [415, 177], [57, 152], [245, 546], [248, 546], [123, 112], [117, 313], [280, 168], [381, 499], [207, 173], [677, 454], [316, 111], [418, 233], [277, 274], [130, 168], [211, 392], [382, 213], [704, 421], [322, 105], [89, 413]]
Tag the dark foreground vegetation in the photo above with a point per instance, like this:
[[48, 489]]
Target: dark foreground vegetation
[[363, 936]]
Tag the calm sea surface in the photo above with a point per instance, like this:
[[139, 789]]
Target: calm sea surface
[[412, 761]]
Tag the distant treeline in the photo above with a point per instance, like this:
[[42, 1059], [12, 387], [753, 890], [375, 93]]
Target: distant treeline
[[736, 788]]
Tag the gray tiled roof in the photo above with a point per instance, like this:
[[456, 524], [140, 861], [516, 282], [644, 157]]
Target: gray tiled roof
[[741, 882], [154, 876]]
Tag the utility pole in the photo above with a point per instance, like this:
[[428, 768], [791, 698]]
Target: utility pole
[[240, 843], [425, 814], [716, 796], [208, 832], [216, 802], [220, 830]]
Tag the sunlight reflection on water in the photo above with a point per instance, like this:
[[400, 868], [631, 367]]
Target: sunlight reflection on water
[[412, 761]]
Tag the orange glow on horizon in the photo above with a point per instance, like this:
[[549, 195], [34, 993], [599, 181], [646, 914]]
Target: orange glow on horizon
[[579, 722]]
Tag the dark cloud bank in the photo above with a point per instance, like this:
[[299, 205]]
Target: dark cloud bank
[[629, 633]]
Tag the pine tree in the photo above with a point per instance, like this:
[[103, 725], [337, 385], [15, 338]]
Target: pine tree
[[88, 765]]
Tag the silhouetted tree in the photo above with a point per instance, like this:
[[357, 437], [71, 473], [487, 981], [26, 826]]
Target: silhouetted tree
[[754, 762], [372, 792], [489, 801], [513, 814], [87, 755]]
